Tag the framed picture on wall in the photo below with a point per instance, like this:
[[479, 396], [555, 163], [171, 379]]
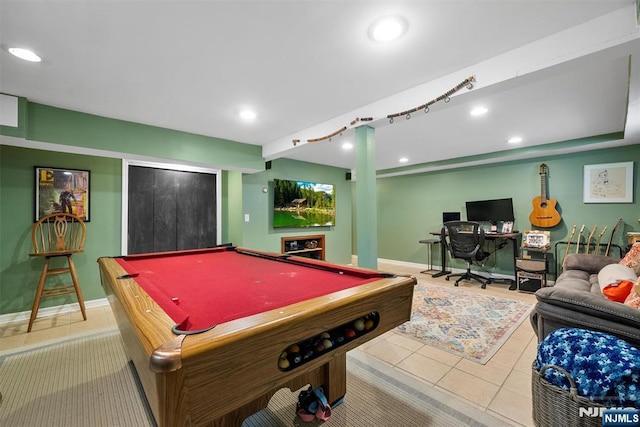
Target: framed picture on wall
[[608, 183], [61, 190], [536, 239]]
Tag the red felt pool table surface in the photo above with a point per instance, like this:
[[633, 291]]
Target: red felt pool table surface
[[202, 288]]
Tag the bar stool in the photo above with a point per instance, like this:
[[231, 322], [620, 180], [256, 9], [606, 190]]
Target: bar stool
[[53, 236], [429, 243]]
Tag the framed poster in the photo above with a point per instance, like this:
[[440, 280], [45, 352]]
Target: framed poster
[[62, 190], [608, 183]]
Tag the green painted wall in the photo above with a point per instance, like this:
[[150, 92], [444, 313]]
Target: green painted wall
[[240, 193], [232, 208], [19, 273], [411, 206], [258, 232], [59, 126]]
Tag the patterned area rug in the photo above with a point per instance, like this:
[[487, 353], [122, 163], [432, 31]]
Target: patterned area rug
[[467, 324]]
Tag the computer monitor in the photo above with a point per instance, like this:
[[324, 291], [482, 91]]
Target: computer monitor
[[490, 210], [450, 216]]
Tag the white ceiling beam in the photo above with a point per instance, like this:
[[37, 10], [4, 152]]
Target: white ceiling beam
[[610, 30]]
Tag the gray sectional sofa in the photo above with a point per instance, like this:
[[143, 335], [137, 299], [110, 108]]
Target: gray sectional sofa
[[576, 301]]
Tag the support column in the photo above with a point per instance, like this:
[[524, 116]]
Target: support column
[[366, 198], [232, 226]]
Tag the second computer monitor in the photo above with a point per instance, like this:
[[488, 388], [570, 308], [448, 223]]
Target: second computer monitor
[[490, 210]]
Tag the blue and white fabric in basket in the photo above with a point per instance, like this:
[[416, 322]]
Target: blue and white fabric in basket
[[605, 369]]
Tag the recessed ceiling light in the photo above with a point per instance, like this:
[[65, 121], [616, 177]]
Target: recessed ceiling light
[[515, 140], [478, 111], [26, 54], [388, 28], [347, 146], [248, 115], [403, 160]]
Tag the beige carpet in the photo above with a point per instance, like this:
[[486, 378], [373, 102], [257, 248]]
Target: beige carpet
[[88, 381]]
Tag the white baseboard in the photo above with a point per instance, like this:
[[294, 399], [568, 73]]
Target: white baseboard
[[403, 263], [437, 267], [51, 311]]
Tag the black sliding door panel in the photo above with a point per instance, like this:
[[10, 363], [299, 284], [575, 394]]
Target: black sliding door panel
[[171, 210], [186, 210], [140, 217], [207, 215], [165, 212]]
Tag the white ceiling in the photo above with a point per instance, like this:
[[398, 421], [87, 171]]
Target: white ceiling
[[549, 71]]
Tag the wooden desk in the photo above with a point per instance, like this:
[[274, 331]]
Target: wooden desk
[[513, 237]]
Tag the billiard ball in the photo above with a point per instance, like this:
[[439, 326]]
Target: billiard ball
[[318, 347], [327, 344], [283, 363], [294, 348], [325, 335], [296, 358], [349, 333], [368, 324], [338, 337], [358, 325]]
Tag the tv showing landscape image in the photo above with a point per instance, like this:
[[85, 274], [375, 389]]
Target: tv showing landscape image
[[303, 204]]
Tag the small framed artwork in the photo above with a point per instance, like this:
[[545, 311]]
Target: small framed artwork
[[608, 183], [61, 190], [536, 239]]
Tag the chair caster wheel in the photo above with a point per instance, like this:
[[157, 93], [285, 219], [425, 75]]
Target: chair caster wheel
[[455, 284], [484, 286], [446, 278]]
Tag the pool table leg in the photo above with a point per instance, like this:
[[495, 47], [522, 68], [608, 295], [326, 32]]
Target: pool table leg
[[332, 376], [335, 379]]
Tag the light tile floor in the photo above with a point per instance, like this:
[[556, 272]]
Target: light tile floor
[[501, 387]]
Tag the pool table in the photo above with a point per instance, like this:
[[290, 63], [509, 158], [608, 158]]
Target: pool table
[[214, 333]]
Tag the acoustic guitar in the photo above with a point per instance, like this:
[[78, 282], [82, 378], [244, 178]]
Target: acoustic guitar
[[544, 213]]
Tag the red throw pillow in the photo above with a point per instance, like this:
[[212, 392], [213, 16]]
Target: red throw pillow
[[618, 291]]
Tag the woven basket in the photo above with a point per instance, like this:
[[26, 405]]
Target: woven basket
[[554, 406]]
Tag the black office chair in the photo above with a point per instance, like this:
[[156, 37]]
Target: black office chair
[[465, 241]]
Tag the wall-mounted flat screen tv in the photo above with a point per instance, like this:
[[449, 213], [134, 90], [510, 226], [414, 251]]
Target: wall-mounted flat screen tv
[[299, 204]]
